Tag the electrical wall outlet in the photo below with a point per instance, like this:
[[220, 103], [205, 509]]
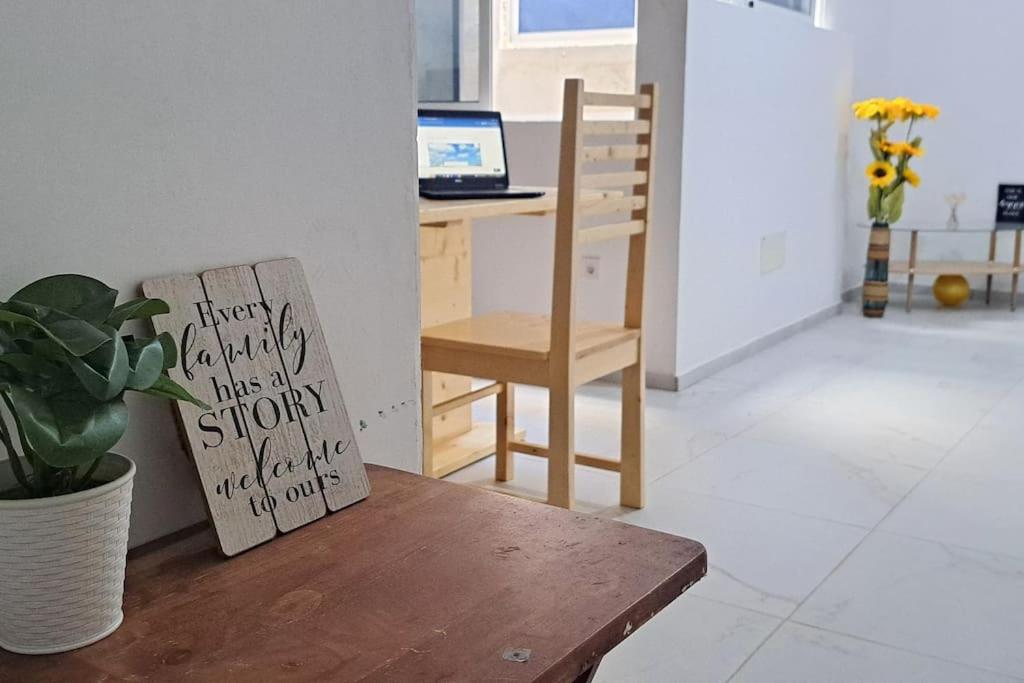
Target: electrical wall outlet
[[592, 267], [773, 252]]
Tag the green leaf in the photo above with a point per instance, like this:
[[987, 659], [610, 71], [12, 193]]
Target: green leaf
[[77, 295], [104, 372], [892, 204], [77, 337], [27, 364], [145, 363], [874, 203], [165, 387], [170, 350], [135, 309], [68, 430]]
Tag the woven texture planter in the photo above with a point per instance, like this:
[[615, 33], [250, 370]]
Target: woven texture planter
[[62, 563]]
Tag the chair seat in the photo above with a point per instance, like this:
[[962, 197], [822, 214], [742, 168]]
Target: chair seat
[[522, 335]]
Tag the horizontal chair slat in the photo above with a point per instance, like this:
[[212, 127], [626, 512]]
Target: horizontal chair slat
[[466, 399], [600, 233], [615, 152], [613, 205], [616, 127], [597, 181], [607, 99], [581, 458]]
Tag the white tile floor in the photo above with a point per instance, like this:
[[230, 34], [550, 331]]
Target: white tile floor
[[859, 490]]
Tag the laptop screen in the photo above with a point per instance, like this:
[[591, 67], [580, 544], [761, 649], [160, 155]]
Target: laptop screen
[[461, 147]]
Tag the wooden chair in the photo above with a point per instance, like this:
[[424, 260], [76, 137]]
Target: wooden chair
[[557, 351]]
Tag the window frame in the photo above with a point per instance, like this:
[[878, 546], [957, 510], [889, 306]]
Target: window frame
[[597, 37], [816, 16], [485, 98]]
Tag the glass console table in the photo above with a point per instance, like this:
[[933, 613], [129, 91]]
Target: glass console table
[[910, 267]]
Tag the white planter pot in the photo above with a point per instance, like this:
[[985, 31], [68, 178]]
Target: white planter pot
[[62, 563]]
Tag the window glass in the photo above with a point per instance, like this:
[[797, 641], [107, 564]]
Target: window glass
[[575, 15], [448, 50]]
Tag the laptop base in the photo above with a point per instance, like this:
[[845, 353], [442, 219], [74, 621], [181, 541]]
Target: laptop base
[[510, 193]]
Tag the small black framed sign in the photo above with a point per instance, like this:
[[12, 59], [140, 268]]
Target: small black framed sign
[[1010, 205]]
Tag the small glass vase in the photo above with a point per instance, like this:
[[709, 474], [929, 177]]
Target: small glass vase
[[953, 222]]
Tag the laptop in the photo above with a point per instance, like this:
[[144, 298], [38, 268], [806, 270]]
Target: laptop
[[462, 156]]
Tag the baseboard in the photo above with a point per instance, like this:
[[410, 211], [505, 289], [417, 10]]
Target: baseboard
[[663, 381], [852, 294], [898, 293], [718, 364], [653, 380]]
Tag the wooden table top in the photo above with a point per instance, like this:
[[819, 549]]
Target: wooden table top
[[424, 580], [441, 211]]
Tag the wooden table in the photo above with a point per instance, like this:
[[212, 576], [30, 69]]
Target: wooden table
[[423, 581], [446, 281]]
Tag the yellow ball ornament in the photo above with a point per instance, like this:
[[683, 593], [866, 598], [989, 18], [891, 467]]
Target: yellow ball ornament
[[951, 290]]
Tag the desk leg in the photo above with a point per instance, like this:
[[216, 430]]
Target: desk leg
[[1016, 271], [991, 259], [913, 266], [446, 290], [427, 408]]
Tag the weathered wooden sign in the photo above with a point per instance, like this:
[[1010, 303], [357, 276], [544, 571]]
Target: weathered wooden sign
[[276, 450]]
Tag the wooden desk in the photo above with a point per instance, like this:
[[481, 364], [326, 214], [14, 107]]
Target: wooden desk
[[423, 581], [446, 281]]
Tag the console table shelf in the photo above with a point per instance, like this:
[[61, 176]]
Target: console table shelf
[[876, 287], [949, 267]]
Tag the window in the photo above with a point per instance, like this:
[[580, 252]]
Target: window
[[449, 54], [514, 55], [572, 22], [802, 6], [540, 43], [812, 10]]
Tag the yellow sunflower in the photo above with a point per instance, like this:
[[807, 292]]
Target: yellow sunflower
[[902, 148], [874, 108], [910, 175], [900, 109], [926, 111], [880, 173]]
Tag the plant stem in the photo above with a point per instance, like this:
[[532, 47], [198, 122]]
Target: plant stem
[[39, 468], [88, 475], [12, 455]]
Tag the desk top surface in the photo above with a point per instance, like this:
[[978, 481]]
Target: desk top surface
[[423, 580], [446, 210]]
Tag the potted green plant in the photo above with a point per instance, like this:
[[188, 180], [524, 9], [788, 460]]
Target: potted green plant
[[64, 497]]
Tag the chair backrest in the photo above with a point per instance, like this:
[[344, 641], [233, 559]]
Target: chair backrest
[[586, 147]]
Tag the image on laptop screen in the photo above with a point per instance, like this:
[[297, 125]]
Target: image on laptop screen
[[460, 146]]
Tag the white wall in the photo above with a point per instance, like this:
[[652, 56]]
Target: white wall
[[962, 56], [145, 139], [766, 117]]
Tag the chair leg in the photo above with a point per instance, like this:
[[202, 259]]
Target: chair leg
[[506, 427], [427, 418], [631, 477], [561, 447]]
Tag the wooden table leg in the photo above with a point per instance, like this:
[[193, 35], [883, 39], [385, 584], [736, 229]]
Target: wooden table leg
[[1016, 271], [913, 265], [991, 259], [588, 675]]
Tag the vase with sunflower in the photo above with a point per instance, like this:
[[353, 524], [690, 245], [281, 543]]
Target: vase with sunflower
[[888, 175]]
